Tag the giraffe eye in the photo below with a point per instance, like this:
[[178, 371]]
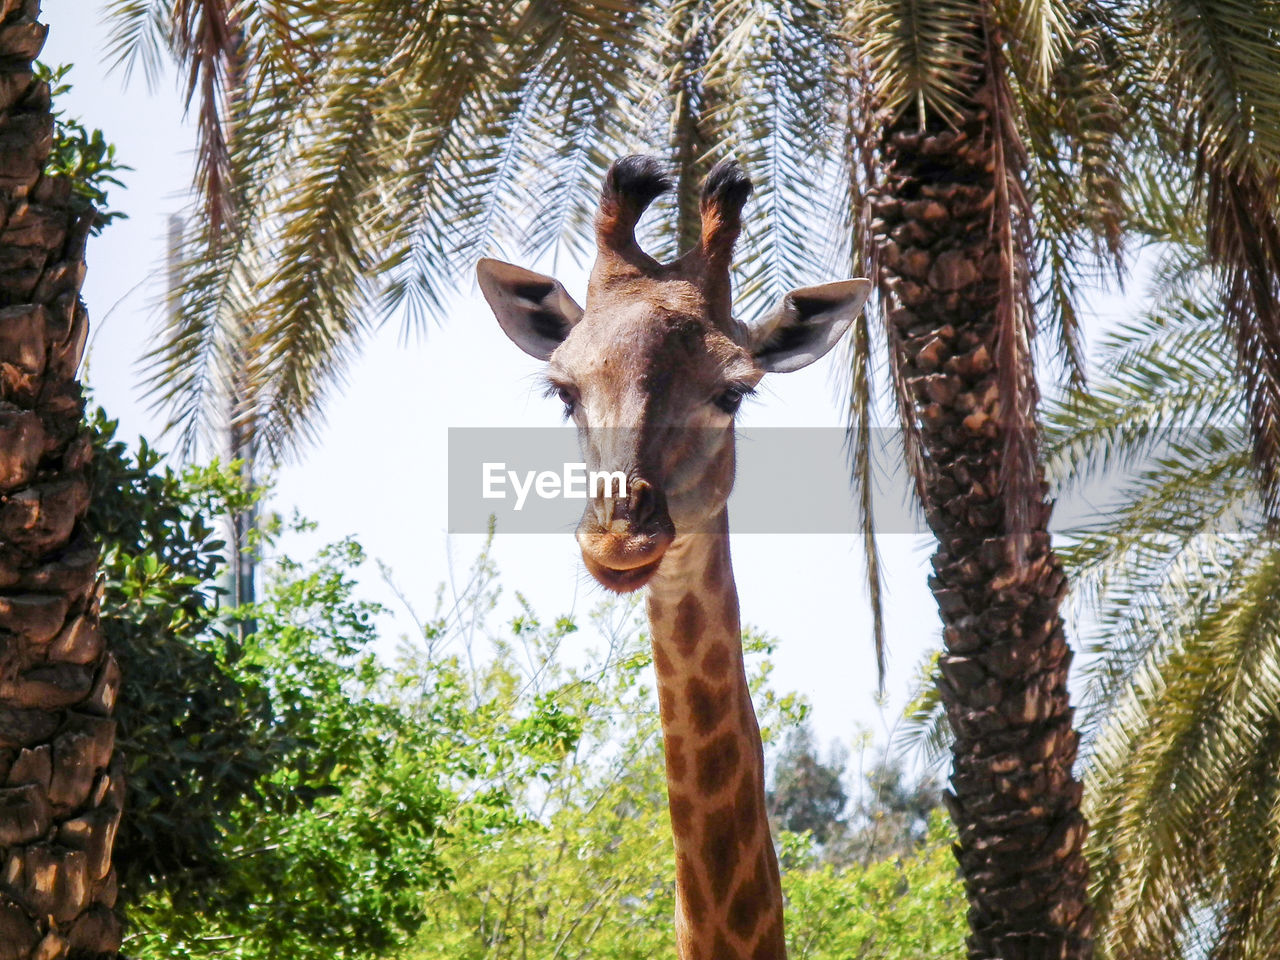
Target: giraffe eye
[[730, 400], [568, 400], [566, 396]]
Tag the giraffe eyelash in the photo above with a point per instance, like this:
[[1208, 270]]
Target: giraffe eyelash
[[563, 394], [731, 397]]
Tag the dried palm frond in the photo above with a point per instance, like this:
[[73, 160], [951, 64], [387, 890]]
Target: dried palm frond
[[1210, 92]]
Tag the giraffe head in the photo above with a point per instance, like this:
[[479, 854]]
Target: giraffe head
[[653, 369]]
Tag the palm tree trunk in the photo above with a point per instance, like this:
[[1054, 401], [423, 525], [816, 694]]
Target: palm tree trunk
[[1015, 801], [61, 793]]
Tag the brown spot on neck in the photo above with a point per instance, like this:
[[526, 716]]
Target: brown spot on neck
[[662, 663], [724, 950], [717, 661], [690, 621], [746, 803], [687, 877], [681, 814], [707, 705], [720, 851], [717, 763], [667, 709], [750, 899], [772, 945], [676, 765]]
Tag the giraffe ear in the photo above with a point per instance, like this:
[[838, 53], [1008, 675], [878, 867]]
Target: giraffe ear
[[808, 323], [534, 310]]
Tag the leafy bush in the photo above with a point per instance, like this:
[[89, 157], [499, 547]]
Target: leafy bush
[[281, 796], [196, 740], [488, 795], [83, 155]]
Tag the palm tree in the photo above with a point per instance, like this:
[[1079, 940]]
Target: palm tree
[[1175, 580], [62, 790], [1183, 696], [971, 153], [1000, 153], [970, 173]]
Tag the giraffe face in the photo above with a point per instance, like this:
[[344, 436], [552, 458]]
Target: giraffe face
[[653, 371], [652, 387]]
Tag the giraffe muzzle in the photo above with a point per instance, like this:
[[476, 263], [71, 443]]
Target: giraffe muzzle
[[623, 541]]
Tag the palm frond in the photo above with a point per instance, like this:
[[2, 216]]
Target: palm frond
[[1077, 135], [862, 452], [1013, 216], [204, 330], [924, 731], [1042, 32], [1162, 381], [1214, 95], [924, 52], [1180, 780], [374, 143], [1160, 447], [783, 112], [140, 35], [592, 99], [208, 37]]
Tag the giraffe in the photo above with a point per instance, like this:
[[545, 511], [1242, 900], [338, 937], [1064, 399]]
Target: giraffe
[[652, 372]]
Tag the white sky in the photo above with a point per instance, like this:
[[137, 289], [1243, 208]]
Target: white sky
[[379, 470]]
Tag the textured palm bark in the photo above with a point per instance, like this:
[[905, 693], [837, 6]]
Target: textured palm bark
[[60, 792], [1015, 800]]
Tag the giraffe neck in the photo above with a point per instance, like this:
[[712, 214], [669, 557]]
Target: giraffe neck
[[728, 894]]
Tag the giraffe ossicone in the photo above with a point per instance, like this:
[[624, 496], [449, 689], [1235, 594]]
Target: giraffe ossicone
[[651, 371]]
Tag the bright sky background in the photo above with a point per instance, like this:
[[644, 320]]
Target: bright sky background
[[379, 470]]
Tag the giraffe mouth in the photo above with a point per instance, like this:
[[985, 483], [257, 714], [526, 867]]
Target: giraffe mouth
[[621, 580], [624, 555]]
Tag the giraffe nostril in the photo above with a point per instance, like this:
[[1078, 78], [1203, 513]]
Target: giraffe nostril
[[644, 500]]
